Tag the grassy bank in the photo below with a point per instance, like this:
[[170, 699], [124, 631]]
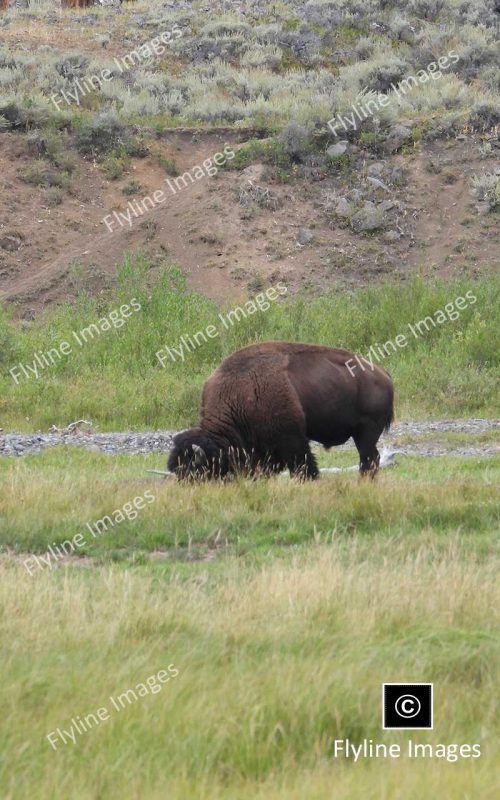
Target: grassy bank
[[113, 377]]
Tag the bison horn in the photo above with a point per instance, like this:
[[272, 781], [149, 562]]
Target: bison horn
[[199, 454]]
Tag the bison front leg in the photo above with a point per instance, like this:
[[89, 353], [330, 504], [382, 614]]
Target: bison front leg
[[297, 455]]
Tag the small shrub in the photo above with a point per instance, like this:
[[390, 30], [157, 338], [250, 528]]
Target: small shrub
[[23, 118], [340, 165], [249, 212], [226, 27], [449, 176], [264, 57], [253, 194], [6, 60], [137, 147], [72, 67], [425, 9], [49, 145], [102, 134], [490, 78], [486, 188], [256, 283], [37, 144], [296, 141], [368, 138], [485, 114], [65, 161], [212, 237], [39, 173], [364, 48], [384, 76], [132, 187], [115, 165], [55, 196], [105, 133], [168, 164]]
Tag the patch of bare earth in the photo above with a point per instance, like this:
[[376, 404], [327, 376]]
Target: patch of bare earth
[[48, 254]]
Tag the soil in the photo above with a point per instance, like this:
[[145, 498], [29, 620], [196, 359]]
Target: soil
[[50, 254]]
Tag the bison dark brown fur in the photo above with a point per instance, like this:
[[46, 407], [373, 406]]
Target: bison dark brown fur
[[266, 402]]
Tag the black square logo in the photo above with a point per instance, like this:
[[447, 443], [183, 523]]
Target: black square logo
[[407, 706]]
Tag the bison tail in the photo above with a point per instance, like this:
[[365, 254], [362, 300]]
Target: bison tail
[[390, 416]]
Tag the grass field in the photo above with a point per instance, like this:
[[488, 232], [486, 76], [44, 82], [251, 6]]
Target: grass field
[[280, 607], [115, 380], [51, 497], [213, 641], [283, 607]]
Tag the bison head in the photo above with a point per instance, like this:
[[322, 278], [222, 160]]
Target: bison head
[[195, 455]]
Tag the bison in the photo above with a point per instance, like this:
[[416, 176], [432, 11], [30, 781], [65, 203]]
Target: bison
[[266, 402]]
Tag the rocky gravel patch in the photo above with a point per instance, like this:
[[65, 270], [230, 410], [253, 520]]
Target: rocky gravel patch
[[23, 444], [18, 444]]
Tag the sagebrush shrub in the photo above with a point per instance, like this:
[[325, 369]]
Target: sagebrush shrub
[[73, 66], [486, 187], [39, 173], [296, 140], [107, 132], [485, 114]]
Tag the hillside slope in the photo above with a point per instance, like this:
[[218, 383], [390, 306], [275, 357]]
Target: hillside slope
[[411, 187]]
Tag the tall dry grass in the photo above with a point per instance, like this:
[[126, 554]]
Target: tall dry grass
[[275, 662]]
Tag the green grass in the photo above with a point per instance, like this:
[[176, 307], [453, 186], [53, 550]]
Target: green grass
[[274, 663], [283, 629], [116, 381], [48, 498], [284, 606]]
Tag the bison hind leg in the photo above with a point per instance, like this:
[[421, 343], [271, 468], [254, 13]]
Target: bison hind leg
[[365, 439], [368, 466]]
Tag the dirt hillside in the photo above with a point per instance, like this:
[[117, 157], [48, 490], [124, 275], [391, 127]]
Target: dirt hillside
[[48, 254]]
